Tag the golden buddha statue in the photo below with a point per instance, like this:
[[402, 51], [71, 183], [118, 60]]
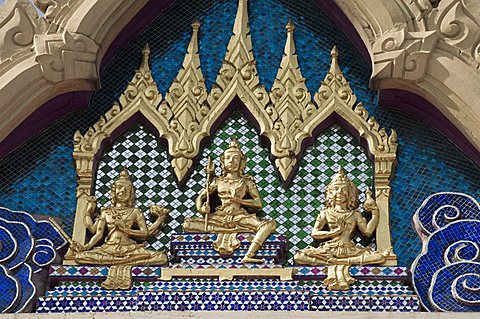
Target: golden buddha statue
[[124, 225], [343, 219], [238, 201]]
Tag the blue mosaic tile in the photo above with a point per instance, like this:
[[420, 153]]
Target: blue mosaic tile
[[39, 176]]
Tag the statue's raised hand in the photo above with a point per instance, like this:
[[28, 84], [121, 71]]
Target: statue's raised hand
[[205, 209], [91, 205], [159, 211], [77, 247], [370, 205]]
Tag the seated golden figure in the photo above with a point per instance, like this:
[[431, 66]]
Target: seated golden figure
[[343, 219], [235, 213], [125, 225]]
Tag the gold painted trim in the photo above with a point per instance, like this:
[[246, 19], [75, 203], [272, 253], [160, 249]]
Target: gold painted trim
[[285, 274]]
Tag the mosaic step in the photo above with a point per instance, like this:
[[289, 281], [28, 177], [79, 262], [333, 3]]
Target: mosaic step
[[63, 272], [199, 247], [142, 273], [87, 304], [359, 302], [229, 295], [359, 272], [361, 287], [230, 301], [208, 256], [94, 288]]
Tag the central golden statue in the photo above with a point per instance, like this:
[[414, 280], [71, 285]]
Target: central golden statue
[[335, 225], [124, 225], [238, 201]]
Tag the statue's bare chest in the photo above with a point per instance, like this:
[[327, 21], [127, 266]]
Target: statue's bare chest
[[228, 188]]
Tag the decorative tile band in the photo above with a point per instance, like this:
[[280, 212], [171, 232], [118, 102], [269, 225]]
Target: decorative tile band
[[197, 301], [87, 304], [209, 238], [63, 272], [402, 303], [94, 288], [360, 272]]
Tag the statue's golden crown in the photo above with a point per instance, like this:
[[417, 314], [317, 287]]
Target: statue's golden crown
[[124, 176], [234, 146], [340, 177]]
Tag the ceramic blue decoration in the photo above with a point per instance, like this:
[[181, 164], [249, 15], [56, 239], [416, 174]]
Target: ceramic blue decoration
[[27, 245], [446, 275]]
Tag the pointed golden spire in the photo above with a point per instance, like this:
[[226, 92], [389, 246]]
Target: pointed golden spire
[[239, 65], [293, 106], [185, 106], [335, 85], [146, 55], [193, 45], [290, 49], [241, 25], [335, 67]]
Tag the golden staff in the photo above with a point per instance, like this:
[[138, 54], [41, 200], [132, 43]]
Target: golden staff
[[61, 231], [208, 169]]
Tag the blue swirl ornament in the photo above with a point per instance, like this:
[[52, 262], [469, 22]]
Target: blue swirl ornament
[[457, 287], [8, 245], [444, 274], [26, 247], [24, 240], [440, 209], [10, 290]]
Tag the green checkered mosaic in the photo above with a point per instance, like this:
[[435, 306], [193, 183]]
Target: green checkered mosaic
[[294, 209]]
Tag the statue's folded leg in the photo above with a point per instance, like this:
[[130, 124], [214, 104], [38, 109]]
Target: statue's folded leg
[[111, 282], [304, 259], [263, 229]]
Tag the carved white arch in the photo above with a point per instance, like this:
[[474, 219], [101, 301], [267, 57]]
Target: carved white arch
[[433, 52]]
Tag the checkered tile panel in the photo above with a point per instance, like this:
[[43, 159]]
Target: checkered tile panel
[[294, 209]]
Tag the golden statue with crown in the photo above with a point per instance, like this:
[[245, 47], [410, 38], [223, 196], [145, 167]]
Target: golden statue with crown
[[125, 225], [343, 219], [238, 201]]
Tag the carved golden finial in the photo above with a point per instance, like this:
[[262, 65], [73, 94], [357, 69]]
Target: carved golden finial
[[290, 26], [335, 82], [196, 25], [335, 67], [241, 25], [146, 55]]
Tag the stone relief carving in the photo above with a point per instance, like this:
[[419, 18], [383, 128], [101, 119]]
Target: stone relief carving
[[66, 56], [62, 55], [458, 24], [19, 22], [403, 54]]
